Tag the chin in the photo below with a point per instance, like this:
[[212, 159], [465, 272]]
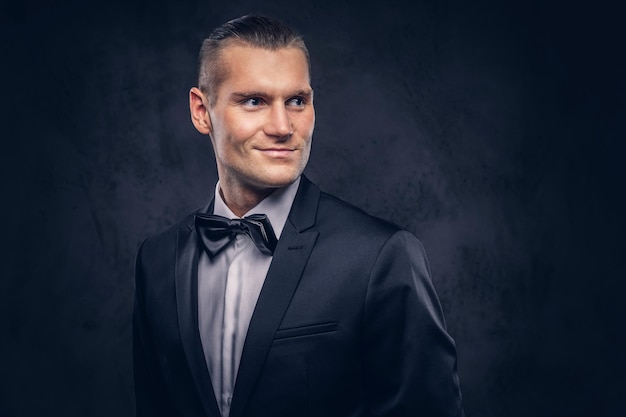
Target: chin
[[279, 180], [280, 183]]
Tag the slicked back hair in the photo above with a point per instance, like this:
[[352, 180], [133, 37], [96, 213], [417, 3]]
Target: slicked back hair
[[251, 30]]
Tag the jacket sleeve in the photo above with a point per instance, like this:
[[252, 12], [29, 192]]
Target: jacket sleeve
[[151, 395], [409, 358]]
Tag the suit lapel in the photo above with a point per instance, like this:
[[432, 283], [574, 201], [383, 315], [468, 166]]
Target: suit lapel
[[290, 258], [187, 304]]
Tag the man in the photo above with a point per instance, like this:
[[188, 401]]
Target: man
[[323, 310]]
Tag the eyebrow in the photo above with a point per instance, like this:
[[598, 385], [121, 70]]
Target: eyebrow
[[247, 94]]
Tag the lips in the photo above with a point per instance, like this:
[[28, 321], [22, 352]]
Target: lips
[[278, 152]]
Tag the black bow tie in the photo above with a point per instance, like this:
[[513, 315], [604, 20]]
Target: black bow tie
[[216, 232]]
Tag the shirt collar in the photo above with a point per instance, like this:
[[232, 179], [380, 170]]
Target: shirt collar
[[275, 206]]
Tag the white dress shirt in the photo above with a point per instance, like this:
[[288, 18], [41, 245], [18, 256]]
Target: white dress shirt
[[228, 288]]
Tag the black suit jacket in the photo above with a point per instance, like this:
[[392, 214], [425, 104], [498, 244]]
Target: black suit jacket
[[347, 324]]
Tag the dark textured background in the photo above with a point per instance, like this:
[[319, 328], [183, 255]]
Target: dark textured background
[[494, 132]]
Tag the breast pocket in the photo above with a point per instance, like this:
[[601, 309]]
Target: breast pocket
[[306, 331], [319, 359], [284, 384]]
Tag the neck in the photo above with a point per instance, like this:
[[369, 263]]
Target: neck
[[241, 201]]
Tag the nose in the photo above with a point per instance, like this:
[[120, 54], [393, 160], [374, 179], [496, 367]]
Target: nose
[[279, 122]]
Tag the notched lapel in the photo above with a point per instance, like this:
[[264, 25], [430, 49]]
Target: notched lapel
[[187, 304], [290, 258]]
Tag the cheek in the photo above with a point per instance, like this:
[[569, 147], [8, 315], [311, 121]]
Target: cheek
[[243, 131], [306, 125], [235, 134]]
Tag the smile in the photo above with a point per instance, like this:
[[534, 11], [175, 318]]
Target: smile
[[277, 152]]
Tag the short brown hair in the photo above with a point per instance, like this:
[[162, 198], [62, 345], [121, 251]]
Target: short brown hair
[[253, 30]]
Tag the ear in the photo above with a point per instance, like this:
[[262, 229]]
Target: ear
[[198, 103]]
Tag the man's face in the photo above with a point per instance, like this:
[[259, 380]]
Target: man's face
[[262, 120]]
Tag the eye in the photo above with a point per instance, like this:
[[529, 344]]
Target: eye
[[252, 102], [296, 101]]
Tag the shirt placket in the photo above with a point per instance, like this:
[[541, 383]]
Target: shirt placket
[[232, 307]]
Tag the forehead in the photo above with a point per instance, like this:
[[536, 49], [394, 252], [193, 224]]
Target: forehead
[[250, 68]]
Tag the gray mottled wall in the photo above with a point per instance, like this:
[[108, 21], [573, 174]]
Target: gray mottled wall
[[494, 132]]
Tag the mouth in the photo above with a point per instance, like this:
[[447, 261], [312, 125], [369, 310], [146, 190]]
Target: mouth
[[278, 152]]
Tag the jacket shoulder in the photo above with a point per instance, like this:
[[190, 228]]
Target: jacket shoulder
[[343, 217]]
